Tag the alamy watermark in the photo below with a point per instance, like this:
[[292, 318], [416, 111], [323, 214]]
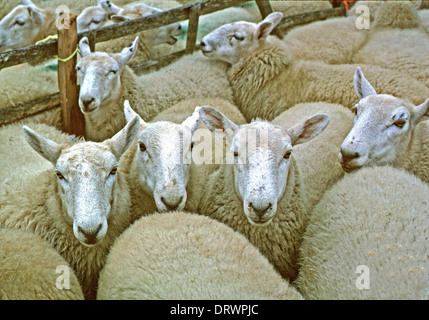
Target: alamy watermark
[[63, 281], [363, 20]]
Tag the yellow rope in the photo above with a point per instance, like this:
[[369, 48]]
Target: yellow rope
[[53, 37], [69, 58]]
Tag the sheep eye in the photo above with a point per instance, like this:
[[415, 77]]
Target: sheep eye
[[287, 154], [113, 172], [113, 71], [59, 175], [400, 123], [237, 37], [19, 22], [142, 147], [354, 110]]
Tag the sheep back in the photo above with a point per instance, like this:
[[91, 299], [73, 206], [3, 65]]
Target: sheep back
[[28, 266], [376, 217], [185, 256]]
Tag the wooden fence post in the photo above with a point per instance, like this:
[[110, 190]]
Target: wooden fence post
[[191, 37], [73, 121]]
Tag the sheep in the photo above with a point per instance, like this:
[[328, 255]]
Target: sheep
[[29, 267], [371, 224], [262, 195], [266, 81], [17, 157], [16, 87], [187, 256], [149, 39], [321, 153], [332, 41], [158, 165], [80, 206], [397, 41], [387, 131], [106, 82], [28, 23]]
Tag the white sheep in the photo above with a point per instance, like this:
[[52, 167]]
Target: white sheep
[[260, 191], [149, 40], [266, 80], [80, 206], [186, 256], [158, 165], [397, 45], [332, 41], [387, 131], [106, 82], [30, 269], [368, 238]]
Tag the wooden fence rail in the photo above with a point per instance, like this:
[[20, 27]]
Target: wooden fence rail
[[190, 12]]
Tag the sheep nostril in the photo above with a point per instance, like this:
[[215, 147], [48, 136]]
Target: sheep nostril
[[261, 210], [203, 44], [172, 205], [348, 156]]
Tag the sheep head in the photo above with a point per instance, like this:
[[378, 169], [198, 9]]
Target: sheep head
[[99, 74], [86, 177], [163, 159], [22, 26], [233, 41], [262, 157], [382, 127]]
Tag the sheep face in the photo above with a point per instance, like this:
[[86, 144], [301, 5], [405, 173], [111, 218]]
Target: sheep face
[[21, 27], [262, 157], [165, 34], [382, 128], [99, 75], [86, 177], [91, 18], [233, 41], [163, 159]]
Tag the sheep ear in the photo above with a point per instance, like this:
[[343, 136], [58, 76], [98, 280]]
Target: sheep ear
[[35, 14], [421, 112], [84, 48], [308, 129], [362, 86], [268, 24], [217, 122], [48, 149], [130, 114], [192, 121], [122, 140], [128, 53], [109, 6], [27, 3]]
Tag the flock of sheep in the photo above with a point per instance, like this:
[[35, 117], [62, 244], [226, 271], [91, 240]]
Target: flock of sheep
[[257, 168]]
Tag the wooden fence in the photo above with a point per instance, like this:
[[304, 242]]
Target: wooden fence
[[190, 12]]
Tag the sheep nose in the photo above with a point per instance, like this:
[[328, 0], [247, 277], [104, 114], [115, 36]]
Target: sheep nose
[[261, 208], [87, 101], [90, 235], [172, 202], [349, 155]]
